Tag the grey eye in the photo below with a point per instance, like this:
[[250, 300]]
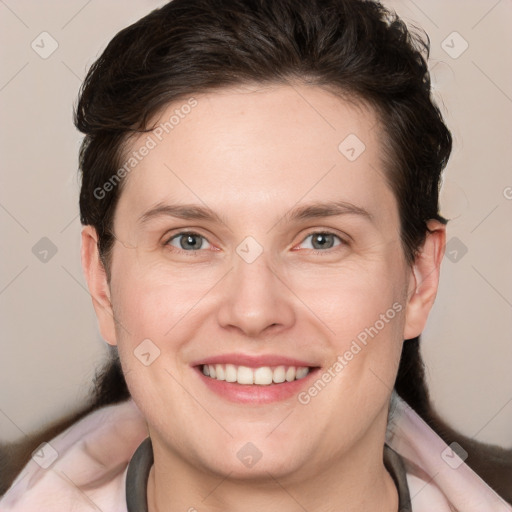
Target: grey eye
[[321, 241], [188, 241]]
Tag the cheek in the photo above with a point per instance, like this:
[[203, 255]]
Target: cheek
[[362, 307], [363, 311], [361, 295], [153, 299]]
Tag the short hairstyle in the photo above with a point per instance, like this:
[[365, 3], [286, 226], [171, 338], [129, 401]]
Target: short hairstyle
[[354, 48]]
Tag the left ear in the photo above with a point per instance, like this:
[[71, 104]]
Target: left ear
[[424, 280]]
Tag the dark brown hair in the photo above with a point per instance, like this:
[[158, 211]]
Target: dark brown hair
[[354, 48]]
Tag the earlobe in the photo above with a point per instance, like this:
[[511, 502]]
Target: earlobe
[[424, 280], [97, 283]]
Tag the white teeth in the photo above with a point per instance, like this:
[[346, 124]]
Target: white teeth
[[262, 376], [279, 375], [219, 370], [245, 375], [230, 373], [301, 373]]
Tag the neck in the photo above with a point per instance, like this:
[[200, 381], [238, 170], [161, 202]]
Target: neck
[[358, 482]]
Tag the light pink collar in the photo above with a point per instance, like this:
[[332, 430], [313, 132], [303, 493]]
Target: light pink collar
[[84, 468]]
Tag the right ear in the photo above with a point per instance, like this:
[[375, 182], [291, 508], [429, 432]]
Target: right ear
[[97, 283]]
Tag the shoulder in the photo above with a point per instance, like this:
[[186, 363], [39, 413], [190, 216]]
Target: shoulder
[[86, 464], [438, 472]]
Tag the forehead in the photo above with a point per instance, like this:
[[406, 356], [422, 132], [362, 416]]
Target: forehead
[[260, 149]]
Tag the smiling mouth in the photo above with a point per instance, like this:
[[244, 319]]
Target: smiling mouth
[[261, 376]]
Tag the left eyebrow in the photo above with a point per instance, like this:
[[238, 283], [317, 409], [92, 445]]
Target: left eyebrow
[[329, 209]]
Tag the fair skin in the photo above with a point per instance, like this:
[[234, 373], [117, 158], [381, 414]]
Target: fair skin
[[252, 156]]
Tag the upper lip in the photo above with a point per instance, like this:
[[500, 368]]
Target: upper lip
[[253, 361]]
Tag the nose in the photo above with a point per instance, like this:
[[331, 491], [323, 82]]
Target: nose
[[256, 300]]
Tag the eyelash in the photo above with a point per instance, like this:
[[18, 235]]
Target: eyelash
[[342, 241]]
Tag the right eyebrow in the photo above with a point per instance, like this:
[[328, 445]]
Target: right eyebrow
[[182, 211]]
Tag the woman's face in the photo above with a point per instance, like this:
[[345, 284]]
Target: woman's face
[[257, 238]]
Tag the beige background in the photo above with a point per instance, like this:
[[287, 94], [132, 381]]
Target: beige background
[[50, 344]]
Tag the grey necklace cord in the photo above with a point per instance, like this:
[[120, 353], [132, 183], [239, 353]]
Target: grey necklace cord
[[137, 477], [395, 466], [142, 461]]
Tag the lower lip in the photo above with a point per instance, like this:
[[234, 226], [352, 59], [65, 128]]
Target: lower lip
[[254, 394]]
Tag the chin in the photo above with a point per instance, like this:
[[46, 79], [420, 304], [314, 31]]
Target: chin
[[259, 459], [256, 465]]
